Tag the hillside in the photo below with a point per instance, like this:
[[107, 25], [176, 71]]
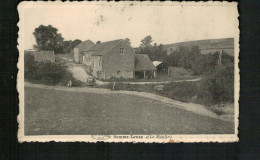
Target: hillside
[[206, 46]]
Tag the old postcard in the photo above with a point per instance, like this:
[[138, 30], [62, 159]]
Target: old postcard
[[163, 72]]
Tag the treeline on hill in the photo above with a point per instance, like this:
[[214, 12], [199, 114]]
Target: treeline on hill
[[47, 73], [155, 52], [216, 87]]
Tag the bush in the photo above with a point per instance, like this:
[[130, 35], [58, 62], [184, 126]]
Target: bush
[[216, 88], [67, 76], [221, 84], [194, 92], [45, 73], [28, 58], [205, 64], [49, 74]]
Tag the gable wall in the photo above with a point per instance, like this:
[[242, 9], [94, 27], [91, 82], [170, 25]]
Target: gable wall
[[113, 61], [76, 55]]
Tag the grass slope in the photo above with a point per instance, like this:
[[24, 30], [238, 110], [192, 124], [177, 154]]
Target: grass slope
[[51, 112]]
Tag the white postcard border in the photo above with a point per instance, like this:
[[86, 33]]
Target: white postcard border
[[119, 138]]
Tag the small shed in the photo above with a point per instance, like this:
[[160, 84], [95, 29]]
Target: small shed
[[144, 65], [44, 56], [161, 67]]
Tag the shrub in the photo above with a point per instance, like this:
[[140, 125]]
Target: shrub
[[67, 77], [216, 88], [49, 74], [221, 84], [188, 92]]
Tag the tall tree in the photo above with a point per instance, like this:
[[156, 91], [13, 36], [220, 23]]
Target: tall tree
[[127, 40], [48, 38], [68, 46], [146, 42]]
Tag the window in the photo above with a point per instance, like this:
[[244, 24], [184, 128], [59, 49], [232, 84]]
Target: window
[[99, 62], [121, 50]]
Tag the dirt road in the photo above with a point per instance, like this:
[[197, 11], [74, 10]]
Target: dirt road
[[78, 71], [56, 112]]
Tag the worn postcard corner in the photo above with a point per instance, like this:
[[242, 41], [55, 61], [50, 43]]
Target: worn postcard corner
[[138, 72]]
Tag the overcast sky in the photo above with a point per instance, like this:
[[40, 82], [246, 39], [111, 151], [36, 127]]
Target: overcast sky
[[166, 24]]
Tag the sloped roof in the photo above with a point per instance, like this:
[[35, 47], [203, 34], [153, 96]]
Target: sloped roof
[[85, 45], [156, 63], [102, 48], [143, 62]]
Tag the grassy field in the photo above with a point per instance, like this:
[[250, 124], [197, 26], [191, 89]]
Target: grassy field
[[51, 112], [189, 92], [206, 45]]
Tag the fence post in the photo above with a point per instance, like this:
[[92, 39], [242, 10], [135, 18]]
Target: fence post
[[114, 85]]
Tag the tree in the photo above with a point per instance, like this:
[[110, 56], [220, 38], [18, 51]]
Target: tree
[[69, 45], [146, 41], [48, 38], [98, 42], [75, 43], [127, 40]]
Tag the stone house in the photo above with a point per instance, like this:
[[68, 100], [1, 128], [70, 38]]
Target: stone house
[[78, 50], [115, 59], [110, 59]]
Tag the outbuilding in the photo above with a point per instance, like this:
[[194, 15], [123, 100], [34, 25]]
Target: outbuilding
[[79, 49], [144, 68], [161, 67]]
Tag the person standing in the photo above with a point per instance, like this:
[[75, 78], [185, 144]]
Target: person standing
[[70, 83]]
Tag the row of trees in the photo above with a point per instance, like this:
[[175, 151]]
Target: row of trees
[[184, 57], [48, 38], [219, 76], [155, 51]]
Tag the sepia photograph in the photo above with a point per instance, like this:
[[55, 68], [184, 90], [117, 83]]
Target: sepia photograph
[[164, 72]]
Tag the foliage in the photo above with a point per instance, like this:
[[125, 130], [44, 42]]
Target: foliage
[[217, 86], [127, 40], [146, 41], [155, 52], [98, 42], [48, 38], [68, 46], [48, 73], [221, 84], [183, 57], [28, 58], [194, 92]]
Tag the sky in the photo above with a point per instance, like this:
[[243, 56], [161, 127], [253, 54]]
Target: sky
[[166, 24]]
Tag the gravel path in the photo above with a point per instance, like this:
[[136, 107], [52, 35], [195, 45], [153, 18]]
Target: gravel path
[[78, 72]]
